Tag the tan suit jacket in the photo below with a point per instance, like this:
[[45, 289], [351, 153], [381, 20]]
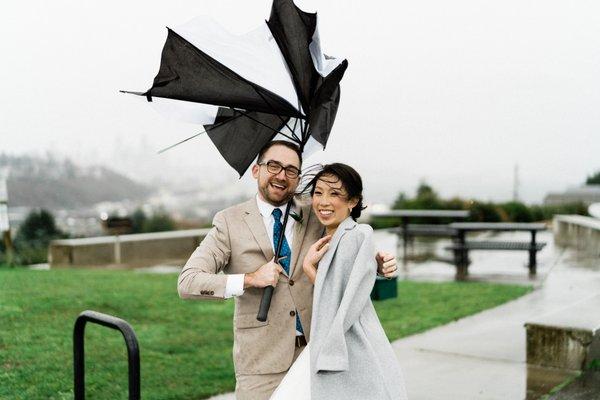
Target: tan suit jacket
[[238, 243]]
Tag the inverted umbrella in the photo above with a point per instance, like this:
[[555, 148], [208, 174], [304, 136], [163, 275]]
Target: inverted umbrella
[[246, 90]]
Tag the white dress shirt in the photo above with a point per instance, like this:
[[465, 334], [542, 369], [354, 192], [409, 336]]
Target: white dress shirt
[[235, 282]]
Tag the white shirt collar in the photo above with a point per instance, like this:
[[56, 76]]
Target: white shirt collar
[[266, 209]]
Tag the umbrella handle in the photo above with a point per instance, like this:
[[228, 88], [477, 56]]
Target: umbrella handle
[[265, 304], [265, 301]]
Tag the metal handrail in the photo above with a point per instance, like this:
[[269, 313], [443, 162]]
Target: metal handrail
[[133, 351]]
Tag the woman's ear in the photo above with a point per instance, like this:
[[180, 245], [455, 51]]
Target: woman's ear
[[352, 203]]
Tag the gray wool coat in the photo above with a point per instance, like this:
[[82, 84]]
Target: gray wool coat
[[350, 355]]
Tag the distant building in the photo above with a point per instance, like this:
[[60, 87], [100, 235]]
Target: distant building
[[586, 194]]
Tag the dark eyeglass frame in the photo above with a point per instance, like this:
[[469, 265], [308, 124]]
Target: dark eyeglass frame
[[275, 167]]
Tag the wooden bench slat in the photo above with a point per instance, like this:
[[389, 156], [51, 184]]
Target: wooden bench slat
[[425, 230], [499, 226], [488, 245]]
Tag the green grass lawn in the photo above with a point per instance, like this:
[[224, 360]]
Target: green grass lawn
[[185, 346]]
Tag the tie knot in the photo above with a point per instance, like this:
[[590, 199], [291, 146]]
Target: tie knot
[[277, 214]]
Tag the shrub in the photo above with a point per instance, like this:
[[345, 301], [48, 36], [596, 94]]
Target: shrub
[[516, 211], [484, 212], [159, 222]]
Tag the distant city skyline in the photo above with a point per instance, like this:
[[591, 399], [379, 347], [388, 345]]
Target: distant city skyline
[[455, 94]]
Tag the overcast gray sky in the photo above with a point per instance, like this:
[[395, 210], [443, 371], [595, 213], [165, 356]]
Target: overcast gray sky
[[455, 93]]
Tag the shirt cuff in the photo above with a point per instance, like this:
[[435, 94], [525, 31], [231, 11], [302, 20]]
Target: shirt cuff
[[234, 285]]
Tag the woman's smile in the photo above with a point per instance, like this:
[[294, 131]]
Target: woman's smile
[[325, 213]]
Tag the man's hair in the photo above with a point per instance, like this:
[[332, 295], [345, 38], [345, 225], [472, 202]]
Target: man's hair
[[289, 145]]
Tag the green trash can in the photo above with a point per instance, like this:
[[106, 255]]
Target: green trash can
[[384, 289]]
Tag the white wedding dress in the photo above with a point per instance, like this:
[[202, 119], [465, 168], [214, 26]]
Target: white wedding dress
[[296, 383]]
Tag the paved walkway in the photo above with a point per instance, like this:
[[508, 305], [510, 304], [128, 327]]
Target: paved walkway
[[483, 356]]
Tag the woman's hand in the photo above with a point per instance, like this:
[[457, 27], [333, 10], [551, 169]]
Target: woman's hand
[[314, 255]]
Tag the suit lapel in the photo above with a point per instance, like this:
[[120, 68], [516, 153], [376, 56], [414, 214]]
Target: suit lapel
[[256, 225], [299, 234]]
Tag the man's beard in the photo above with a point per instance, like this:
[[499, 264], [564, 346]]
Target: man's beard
[[276, 202]]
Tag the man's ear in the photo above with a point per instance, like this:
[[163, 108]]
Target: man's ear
[[255, 169]]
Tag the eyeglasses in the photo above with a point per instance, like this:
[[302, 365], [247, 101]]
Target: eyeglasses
[[275, 167]]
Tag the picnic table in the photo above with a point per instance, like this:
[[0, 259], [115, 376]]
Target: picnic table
[[407, 230], [461, 246]]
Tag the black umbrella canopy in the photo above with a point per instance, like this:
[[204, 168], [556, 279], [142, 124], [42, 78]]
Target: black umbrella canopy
[[272, 81]]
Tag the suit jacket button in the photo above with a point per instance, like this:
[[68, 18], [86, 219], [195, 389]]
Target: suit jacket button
[[212, 292], [291, 282], [292, 313]]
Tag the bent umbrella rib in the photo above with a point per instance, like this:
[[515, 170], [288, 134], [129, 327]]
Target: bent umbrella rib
[[198, 134]]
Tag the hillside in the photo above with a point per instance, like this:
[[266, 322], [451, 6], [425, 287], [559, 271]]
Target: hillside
[[58, 184]]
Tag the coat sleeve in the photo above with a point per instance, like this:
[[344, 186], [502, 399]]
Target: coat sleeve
[[200, 276], [333, 355]]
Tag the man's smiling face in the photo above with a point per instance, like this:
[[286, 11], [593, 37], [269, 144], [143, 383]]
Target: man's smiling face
[[276, 189]]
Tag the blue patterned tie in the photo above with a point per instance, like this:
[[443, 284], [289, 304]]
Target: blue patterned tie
[[285, 252]]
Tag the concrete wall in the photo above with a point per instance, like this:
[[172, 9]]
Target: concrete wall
[[565, 339], [561, 348], [579, 232], [562, 343], [136, 250]]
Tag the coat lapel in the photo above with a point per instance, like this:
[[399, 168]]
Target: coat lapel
[[323, 269], [256, 225]]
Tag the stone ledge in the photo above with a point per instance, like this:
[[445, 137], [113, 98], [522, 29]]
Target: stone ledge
[[567, 339], [136, 250]]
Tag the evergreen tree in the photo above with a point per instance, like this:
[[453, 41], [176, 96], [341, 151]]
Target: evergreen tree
[[38, 229], [34, 236], [139, 220], [593, 179]]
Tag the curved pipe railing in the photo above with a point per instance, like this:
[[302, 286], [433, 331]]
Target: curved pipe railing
[[133, 351]]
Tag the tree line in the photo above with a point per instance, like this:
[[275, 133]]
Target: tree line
[[426, 198]]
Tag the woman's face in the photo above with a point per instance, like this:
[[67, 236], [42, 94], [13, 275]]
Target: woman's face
[[330, 201]]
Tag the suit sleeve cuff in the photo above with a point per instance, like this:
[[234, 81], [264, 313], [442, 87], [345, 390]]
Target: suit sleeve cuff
[[234, 285]]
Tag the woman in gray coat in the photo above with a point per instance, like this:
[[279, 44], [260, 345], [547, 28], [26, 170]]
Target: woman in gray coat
[[349, 355]]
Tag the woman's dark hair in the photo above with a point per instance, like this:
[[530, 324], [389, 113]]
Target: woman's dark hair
[[351, 182]]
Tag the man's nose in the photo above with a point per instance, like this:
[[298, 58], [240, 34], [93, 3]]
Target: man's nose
[[281, 175]]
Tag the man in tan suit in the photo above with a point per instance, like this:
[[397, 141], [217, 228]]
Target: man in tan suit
[[241, 244]]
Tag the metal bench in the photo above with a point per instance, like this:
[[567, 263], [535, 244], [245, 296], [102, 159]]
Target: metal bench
[[461, 246], [408, 231], [461, 252]]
